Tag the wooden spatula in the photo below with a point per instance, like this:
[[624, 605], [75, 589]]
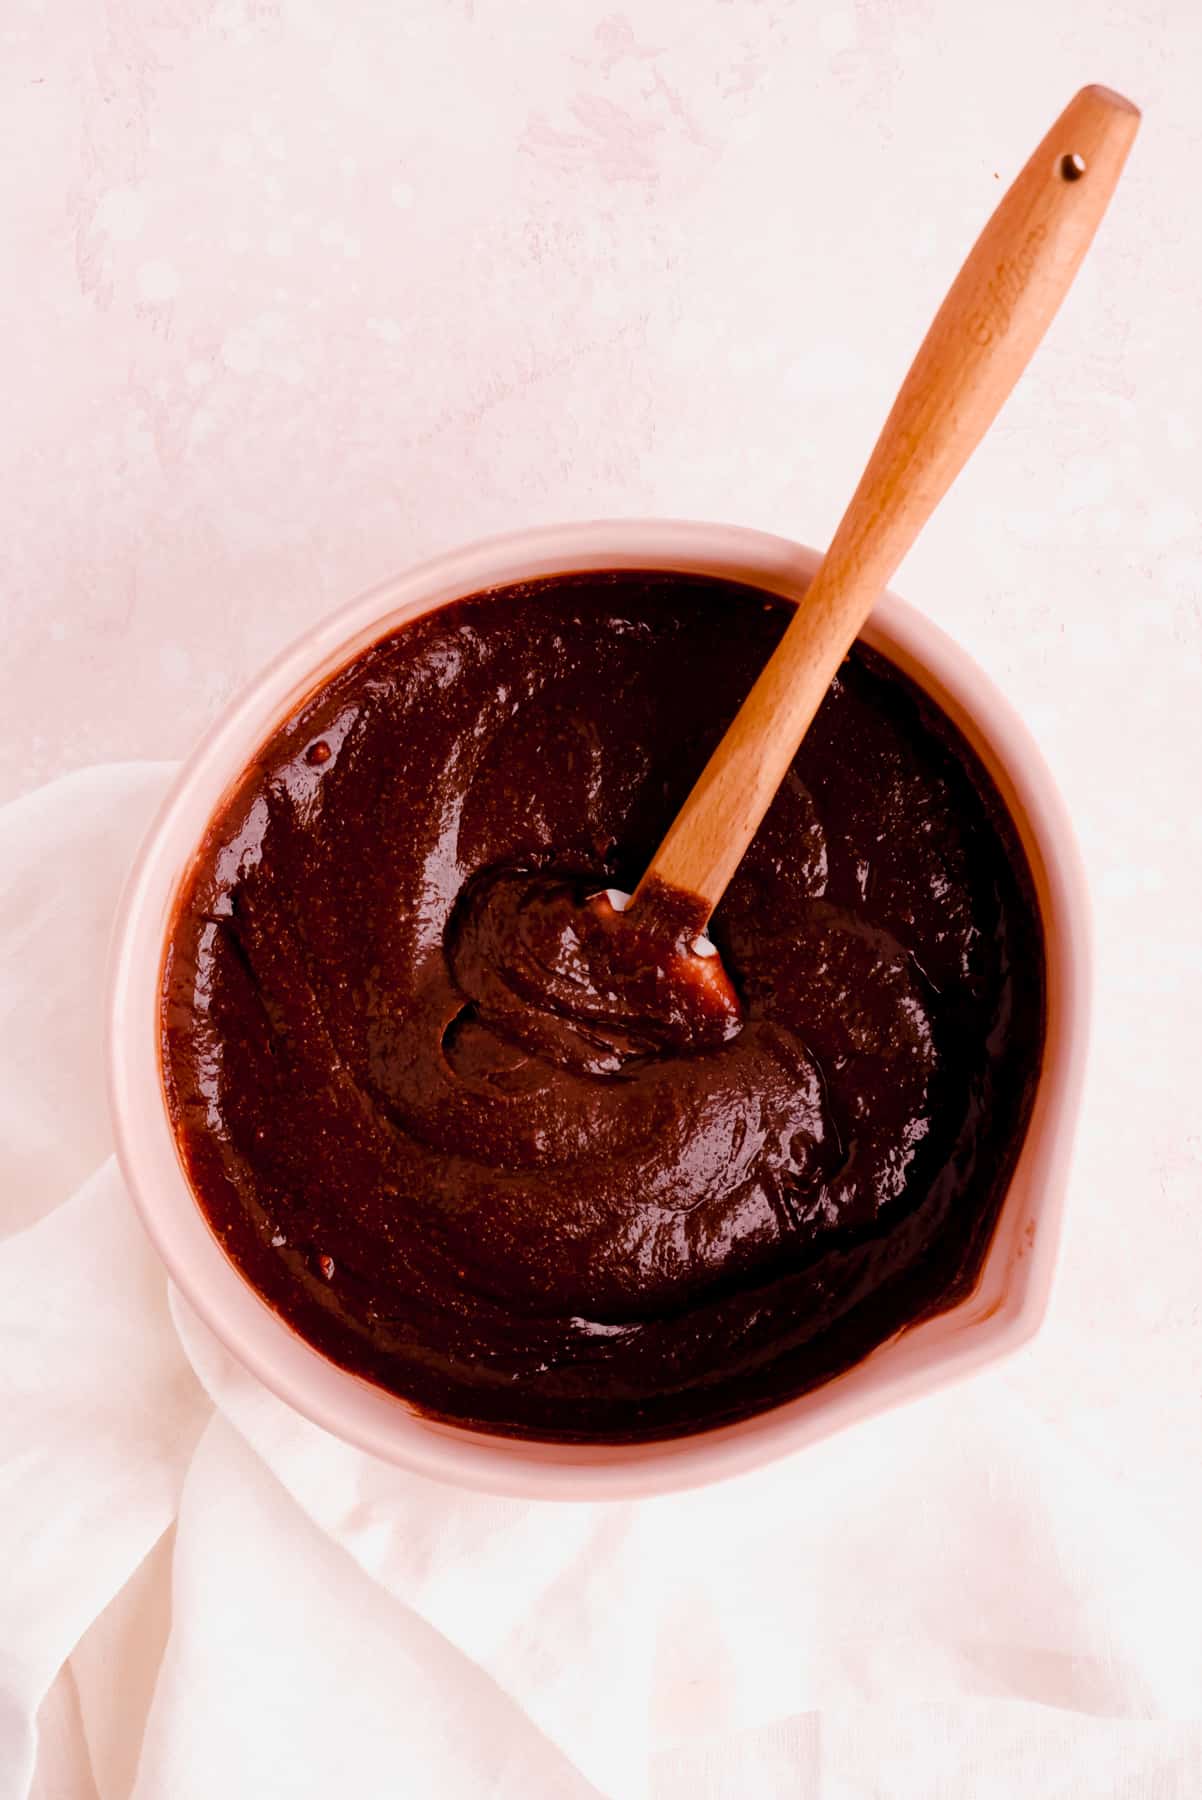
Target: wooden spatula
[[983, 336]]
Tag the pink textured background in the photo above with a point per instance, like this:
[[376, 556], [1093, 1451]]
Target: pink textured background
[[296, 293], [290, 302]]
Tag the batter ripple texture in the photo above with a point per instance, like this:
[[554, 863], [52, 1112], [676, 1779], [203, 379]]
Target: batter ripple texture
[[468, 1152]]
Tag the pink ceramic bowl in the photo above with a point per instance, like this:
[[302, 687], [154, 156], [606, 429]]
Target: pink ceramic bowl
[[1012, 1295]]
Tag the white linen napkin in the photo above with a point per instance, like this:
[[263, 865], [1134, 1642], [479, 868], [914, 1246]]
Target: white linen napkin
[[202, 1594]]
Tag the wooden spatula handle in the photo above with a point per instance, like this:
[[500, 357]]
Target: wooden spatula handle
[[999, 306]]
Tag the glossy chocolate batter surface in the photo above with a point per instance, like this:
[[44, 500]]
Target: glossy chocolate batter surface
[[478, 1142]]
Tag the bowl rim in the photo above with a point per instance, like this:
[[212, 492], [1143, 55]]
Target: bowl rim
[[1009, 1301]]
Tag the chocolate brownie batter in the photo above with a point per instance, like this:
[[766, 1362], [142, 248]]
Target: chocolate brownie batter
[[518, 1158]]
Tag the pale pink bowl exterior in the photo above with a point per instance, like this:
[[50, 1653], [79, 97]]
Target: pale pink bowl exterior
[[1012, 1296]]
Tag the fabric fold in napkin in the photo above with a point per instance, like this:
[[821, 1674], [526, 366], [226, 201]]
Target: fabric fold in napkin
[[216, 1597]]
